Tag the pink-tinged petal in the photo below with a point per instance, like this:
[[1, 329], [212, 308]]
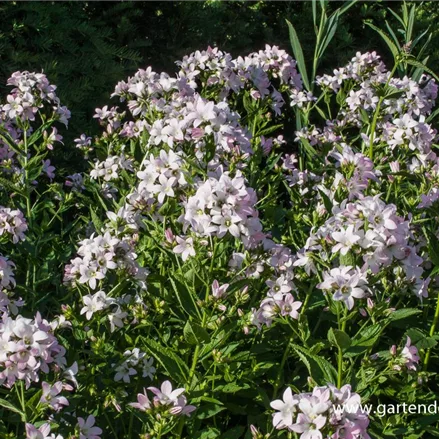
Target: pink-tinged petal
[[320, 421], [166, 387], [45, 429], [278, 421]]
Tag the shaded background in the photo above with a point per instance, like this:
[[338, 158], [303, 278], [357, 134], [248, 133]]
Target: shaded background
[[85, 48]]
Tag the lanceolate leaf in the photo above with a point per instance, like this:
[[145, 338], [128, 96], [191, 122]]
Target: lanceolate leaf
[[298, 54], [393, 48], [8, 406]]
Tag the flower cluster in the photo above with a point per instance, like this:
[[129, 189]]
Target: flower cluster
[[110, 168], [224, 205], [372, 233], [27, 347], [32, 91], [254, 72], [134, 359], [326, 412], [13, 223], [165, 401], [99, 254], [197, 178]]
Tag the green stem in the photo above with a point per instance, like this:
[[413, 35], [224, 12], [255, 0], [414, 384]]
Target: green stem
[[342, 327], [159, 433], [110, 424], [20, 394], [377, 112], [432, 331], [281, 368], [192, 373]]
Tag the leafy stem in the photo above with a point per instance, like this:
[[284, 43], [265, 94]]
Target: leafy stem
[[342, 327], [432, 331]]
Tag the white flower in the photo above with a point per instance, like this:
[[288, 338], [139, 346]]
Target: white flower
[[96, 302], [165, 188], [286, 409], [346, 239], [345, 284], [185, 247]]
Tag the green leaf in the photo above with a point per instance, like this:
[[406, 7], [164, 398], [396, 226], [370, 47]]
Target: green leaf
[[185, 298], [368, 336], [6, 138], [319, 368], [339, 339], [39, 132], [400, 314], [8, 406], [422, 66], [98, 224], [393, 48], [195, 334], [208, 410], [328, 32], [233, 433], [421, 339], [171, 362], [234, 387], [11, 186], [433, 249], [309, 149], [392, 92], [298, 54], [269, 130], [348, 259], [211, 433], [326, 201]]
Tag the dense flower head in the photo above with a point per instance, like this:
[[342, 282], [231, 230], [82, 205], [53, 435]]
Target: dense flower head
[[99, 254], [31, 92], [224, 205], [28, 348], [255, 72], [326, 412], [377, 238], [12, 224]]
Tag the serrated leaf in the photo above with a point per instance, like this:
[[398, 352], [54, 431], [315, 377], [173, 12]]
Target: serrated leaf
[[319, 368], [11, 186], [368, 336], [422, 66]]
